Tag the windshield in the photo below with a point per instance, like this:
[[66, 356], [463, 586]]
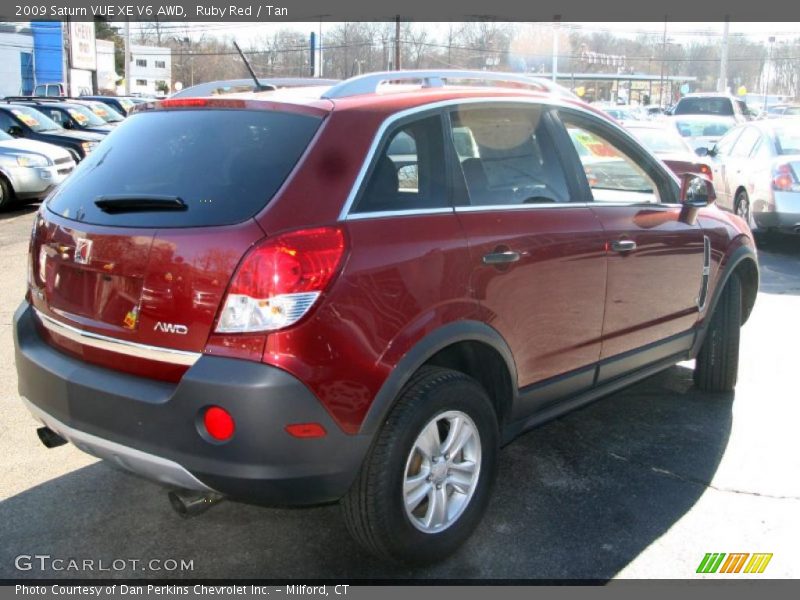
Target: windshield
[[787, 140], [704, 106], [225, 165], [105, 112], [4, 137], [84, 117], [696, 128], [660, 141], [34, 119]]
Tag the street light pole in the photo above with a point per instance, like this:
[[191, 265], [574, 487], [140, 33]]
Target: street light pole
[[767, 68], [556, 27]]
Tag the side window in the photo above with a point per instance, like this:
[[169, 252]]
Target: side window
[[507, 157], [744, 145], [56, 116], [725, 145], [613, 174], [408, 172], [763, 149], [5, 121]]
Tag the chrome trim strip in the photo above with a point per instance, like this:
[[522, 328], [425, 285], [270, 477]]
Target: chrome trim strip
[[147, 465], [531, 206], [102, 342], [433, 106], [399, 213]]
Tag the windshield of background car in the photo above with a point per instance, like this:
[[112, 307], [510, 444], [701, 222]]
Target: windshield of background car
[[34, 119], [787, 140], [105, 112], [660, 140], [704, 106], [225, 165], [695, 128], [84, 116]]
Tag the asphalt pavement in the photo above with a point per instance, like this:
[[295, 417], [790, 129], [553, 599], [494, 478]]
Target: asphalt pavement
[[640, 484]]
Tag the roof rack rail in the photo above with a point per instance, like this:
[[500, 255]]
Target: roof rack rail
[[35, 98], [369, 83]]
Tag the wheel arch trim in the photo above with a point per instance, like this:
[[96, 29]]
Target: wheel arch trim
[[424, 350]]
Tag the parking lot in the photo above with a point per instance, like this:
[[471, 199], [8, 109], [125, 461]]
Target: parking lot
[[640, 484]]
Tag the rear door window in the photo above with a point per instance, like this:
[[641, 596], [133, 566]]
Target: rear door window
[[744, 145], [224, 165], [408, 172]]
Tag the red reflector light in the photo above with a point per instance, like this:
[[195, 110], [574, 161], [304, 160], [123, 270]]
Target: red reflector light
[[218, 423], [306, 430], [784, 180]]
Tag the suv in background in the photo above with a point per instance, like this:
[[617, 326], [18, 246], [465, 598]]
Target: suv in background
[[22, 121], [715, 104], [360, 292]]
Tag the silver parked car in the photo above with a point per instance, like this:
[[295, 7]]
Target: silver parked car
[[756, 174], [30, 169]]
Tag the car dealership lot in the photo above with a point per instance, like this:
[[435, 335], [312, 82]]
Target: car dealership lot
[[640, 484]]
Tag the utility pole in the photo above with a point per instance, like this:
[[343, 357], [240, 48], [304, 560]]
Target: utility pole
[[663, 58], [67, 37], [556, 28], [767, 68], [722, 84], [127, 57], [397, 43]]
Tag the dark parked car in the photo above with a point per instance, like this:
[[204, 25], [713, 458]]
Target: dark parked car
[[119, 103], [69, 115], [268, 309], [26, 122]]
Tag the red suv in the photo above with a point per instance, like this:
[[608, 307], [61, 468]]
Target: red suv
[[360, 292]]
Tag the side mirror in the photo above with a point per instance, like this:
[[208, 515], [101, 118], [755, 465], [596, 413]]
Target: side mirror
[[702, 151], [696, 191], [15, 130]]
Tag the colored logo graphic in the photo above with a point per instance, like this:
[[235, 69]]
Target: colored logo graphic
[[742, 562]]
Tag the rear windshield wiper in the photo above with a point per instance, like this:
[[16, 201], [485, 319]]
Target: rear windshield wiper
[[140, 203]]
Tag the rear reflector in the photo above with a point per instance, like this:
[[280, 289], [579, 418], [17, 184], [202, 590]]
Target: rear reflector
[[218, 423], [280, 280], [306, 430], [784, 180]]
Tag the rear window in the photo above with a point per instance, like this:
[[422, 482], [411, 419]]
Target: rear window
[[225, 165], [788, 140], [660, 140], [704, 106]]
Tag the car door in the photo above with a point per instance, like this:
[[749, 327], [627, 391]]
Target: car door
[[655, 255], [737, 165], [719, 157], [537, 255]]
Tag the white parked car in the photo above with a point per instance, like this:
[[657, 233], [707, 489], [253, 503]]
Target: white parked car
[[756, 170], [30, 169]]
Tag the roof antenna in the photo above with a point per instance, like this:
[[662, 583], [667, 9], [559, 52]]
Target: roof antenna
[[260, 87]]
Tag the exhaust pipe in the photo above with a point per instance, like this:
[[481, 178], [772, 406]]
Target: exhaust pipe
[[50, 438], [190, 504]]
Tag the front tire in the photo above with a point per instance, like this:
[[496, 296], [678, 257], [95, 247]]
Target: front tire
[[717, 364], [6, 194], [426, 482]]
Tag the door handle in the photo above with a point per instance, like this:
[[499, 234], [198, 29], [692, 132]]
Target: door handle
[[501, 258], [623, 245]]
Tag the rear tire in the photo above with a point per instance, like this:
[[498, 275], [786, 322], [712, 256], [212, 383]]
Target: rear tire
[[717, 364], [412, 505]]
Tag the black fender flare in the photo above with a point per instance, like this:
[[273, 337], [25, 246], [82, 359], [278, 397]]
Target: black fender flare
[[421, 352], [734, 259]]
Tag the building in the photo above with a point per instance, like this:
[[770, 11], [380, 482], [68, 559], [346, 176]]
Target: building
[[150, 70], [107, 76], [16, 59]]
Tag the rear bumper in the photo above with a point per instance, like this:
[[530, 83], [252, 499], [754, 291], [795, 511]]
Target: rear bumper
[[151, 428], [785, 215]]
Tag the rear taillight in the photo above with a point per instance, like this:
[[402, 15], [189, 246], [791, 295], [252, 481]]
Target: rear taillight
[[280, 280], [784, 179], [705, 170]]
